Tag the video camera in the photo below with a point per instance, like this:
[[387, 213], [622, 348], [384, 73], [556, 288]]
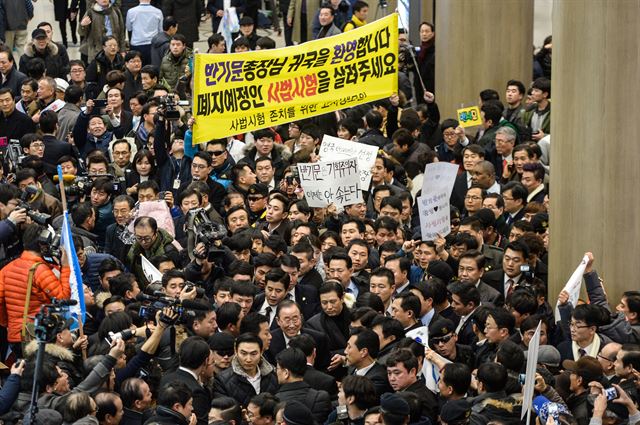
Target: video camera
[[82, 183], [49, 240], [36, 216], [201, 229], [159, 300], [52, 319], [169, 107]]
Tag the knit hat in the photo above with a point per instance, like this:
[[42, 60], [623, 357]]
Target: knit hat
[[394, 404]]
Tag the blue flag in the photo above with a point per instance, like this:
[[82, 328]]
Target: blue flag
[[78, 311]]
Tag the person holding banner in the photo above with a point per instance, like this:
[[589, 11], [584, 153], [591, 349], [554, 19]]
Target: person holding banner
[[28, 282]]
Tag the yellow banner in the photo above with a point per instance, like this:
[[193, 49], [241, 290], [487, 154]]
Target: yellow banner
[[241, 92]]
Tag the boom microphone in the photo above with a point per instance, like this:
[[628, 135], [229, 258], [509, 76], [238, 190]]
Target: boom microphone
[[67, 178]]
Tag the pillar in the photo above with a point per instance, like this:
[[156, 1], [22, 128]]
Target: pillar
[[595, 197], [480, 44]]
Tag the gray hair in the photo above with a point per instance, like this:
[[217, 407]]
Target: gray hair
[[509, 132]]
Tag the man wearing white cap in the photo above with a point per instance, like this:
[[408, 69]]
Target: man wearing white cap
[[61, 87]]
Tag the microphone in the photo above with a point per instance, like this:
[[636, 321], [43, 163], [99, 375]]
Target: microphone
[[66, 303], [67, 178]]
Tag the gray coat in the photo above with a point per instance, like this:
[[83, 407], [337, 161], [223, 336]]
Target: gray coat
[[67, 117]]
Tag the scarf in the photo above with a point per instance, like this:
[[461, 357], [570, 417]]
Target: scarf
[[593, 351]]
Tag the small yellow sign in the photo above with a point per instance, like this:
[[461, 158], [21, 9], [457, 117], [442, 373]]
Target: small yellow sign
[[469, 117]]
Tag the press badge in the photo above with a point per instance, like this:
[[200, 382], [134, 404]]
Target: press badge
[[176, 184]]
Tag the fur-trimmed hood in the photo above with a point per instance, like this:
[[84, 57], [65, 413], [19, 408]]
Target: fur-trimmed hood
[[101, 297], [281, 150], [51, 49], [53, 350]]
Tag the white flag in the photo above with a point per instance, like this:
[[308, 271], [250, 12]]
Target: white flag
[[150, 272]]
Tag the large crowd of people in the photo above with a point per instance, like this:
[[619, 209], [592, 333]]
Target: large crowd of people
[[214, 294]]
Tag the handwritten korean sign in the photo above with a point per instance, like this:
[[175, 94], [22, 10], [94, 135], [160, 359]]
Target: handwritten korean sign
[[335, 148], [469, 117], [331, 182]]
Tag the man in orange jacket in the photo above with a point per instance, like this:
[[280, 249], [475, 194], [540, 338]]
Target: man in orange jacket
[[14, 281]]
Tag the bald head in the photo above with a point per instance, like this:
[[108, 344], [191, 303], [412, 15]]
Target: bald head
[[483, 174]]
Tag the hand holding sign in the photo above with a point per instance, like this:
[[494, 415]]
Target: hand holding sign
[[469, 117]]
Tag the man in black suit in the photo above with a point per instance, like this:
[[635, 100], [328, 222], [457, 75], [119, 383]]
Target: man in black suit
[[316, 379], [13, 123], [402, 371], [533, 180], [292, 365], [195, 355], [276, 289], [53, 148], [465, 299], [360, 353], [305, 295], [290, 322], [506, 279], [470, 269], [471, 155], [514, 195], [308, 274]]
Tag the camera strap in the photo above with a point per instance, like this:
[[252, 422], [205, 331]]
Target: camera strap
[[32, 272]]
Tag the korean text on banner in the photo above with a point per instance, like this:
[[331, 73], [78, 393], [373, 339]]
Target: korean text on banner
[[331, 182], [469, 117], [241, 92], [433, 205], [335, 148]]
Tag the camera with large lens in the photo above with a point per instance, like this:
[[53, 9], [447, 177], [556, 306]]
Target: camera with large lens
[[28, 194], [169, 108], [49, 241], [52, 319], [151, 304], [201, 229]]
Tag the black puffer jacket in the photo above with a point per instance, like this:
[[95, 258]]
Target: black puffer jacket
[[56, 59], [233, 383]]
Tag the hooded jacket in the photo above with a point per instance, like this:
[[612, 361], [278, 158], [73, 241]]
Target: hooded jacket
[[13, 290], [61, 356], [56, 63]]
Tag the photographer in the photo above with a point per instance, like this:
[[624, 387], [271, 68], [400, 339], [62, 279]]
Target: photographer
[[36, 197], [11, 217], [90, 131], [203, 271], [29, 268], [173, 165]]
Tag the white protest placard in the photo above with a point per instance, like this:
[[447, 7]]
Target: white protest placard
[[435, 215], [335, 148], [573, 286], [331, 182], [439, 177], [530, 377], [150, 272]]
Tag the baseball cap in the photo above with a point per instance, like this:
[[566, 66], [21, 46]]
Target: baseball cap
[[246, 20], [296, 413], [548, 355], [440, 269], [38, 33], [545, 407], [455, 410], [587, 367], [259, 189], [221, 341], [440, 327]]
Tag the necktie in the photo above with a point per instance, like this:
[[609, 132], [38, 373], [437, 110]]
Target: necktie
[[504, 164], [267, 312], [509, 288], [581, 353]]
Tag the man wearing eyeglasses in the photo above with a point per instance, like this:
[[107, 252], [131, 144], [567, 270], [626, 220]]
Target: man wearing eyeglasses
[[150, 242]]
